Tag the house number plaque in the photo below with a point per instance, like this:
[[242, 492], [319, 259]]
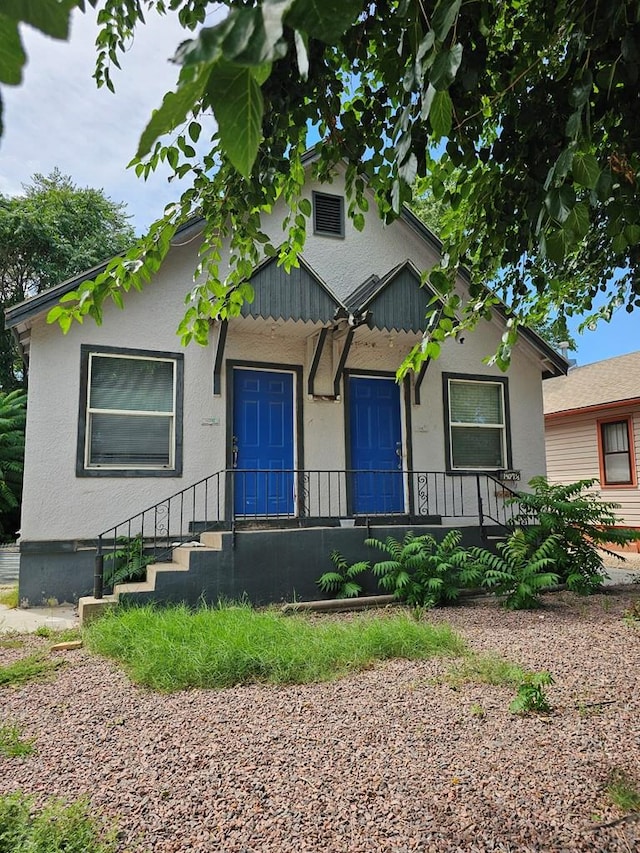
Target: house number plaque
[[510, 476]]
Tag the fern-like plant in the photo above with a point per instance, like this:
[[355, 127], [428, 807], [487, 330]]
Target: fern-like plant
[[581, 523], [521, 571], [127, 562], [424, 572], [342, 581]]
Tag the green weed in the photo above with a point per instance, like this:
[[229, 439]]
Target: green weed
[[55, 828], [624, 792], [12, 744], [9, 598], [176, 648], [484, 669], [531, 698], [27, 669]]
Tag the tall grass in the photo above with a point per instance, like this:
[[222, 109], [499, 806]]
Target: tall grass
[[27, 669], [176, 648], [55, 828]]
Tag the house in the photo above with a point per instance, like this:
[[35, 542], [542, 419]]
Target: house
[[592, 430], [280, 440]]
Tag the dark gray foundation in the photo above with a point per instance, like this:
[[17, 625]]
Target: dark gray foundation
[[263, 566]]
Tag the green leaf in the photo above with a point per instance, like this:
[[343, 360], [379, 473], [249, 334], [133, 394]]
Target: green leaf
[[238, 105], [441, 113], [51, 18], [581, 89], [559, 202], [585, 170], [12, 55], [445, 13], [577, 222], [446, 67], [326, 20], [175, 106], [427, 101]]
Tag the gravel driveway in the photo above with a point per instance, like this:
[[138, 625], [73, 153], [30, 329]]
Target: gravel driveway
[[389, 760]]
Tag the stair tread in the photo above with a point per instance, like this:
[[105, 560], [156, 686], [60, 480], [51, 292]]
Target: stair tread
[[139, 586]]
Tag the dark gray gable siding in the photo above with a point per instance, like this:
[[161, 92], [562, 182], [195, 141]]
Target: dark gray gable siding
[[400, 303], [298, 295]]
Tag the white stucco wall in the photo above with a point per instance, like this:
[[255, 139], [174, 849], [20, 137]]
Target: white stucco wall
[[58, 505]]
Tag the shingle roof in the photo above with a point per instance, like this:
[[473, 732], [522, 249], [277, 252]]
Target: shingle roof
[[610, 381]]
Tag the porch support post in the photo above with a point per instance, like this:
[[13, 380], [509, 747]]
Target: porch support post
[[343, 360], [317, 355], [219, 357]]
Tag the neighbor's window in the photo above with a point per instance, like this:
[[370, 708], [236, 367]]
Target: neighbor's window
[[328, 215], [132, 408], [477, 424], [615, 453]]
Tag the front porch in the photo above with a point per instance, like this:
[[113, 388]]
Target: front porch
[[200, 547]]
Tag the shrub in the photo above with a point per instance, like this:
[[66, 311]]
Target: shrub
[[518, 572], [424, 572], [342, 582], [580, 522]]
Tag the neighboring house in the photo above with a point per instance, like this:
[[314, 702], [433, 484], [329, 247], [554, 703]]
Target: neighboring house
[[291, 418], [592, 430]]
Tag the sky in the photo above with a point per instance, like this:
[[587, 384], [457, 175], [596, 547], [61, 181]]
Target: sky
[[58, 118]]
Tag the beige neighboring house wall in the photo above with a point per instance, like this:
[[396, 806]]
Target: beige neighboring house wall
[[592, 430]]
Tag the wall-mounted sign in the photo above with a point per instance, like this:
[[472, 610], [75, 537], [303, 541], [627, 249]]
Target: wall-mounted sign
[[510, 476]]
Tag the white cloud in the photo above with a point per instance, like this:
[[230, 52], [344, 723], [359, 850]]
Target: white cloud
[[58, 117]]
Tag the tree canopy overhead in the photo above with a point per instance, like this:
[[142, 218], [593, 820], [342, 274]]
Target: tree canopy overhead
[[520, 115], [50, 232]]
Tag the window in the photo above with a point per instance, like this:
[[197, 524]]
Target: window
[[476, 423], [616, 461], [130, 413], [328, 215]]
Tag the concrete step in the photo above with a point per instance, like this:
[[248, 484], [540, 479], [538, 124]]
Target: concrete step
[[139, 586], [212, 539], [182, 554]]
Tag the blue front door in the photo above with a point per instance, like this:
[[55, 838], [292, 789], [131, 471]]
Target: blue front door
[[263, 442], [376, 445]]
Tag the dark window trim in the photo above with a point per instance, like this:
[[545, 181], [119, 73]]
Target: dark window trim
[[628, 420], [321, 232], [85, 351], [474, 377]]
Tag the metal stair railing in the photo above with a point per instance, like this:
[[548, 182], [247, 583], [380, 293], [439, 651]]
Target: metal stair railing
[[258, 496]]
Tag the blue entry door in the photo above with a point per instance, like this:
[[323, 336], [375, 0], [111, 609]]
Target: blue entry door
[[263, 442], [376, 445]]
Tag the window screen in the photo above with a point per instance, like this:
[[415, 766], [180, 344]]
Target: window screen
[[131, 412], [477, 429]]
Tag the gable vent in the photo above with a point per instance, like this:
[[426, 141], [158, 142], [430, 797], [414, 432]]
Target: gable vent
[[328, 215]]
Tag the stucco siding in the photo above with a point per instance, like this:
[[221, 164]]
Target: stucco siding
[[59, 505]]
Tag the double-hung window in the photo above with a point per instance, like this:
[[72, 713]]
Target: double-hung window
[[476, 415], [616, 460], [131, 413]]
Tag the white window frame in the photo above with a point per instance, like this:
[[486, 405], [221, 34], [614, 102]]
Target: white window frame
[[85, 466], [451, 425]]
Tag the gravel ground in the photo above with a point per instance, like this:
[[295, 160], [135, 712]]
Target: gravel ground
[[388, 760]]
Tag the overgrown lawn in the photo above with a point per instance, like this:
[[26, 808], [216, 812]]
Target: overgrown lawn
[[55, 828], [176, 648]]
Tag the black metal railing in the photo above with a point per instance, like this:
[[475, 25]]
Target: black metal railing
[[244, 497]]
